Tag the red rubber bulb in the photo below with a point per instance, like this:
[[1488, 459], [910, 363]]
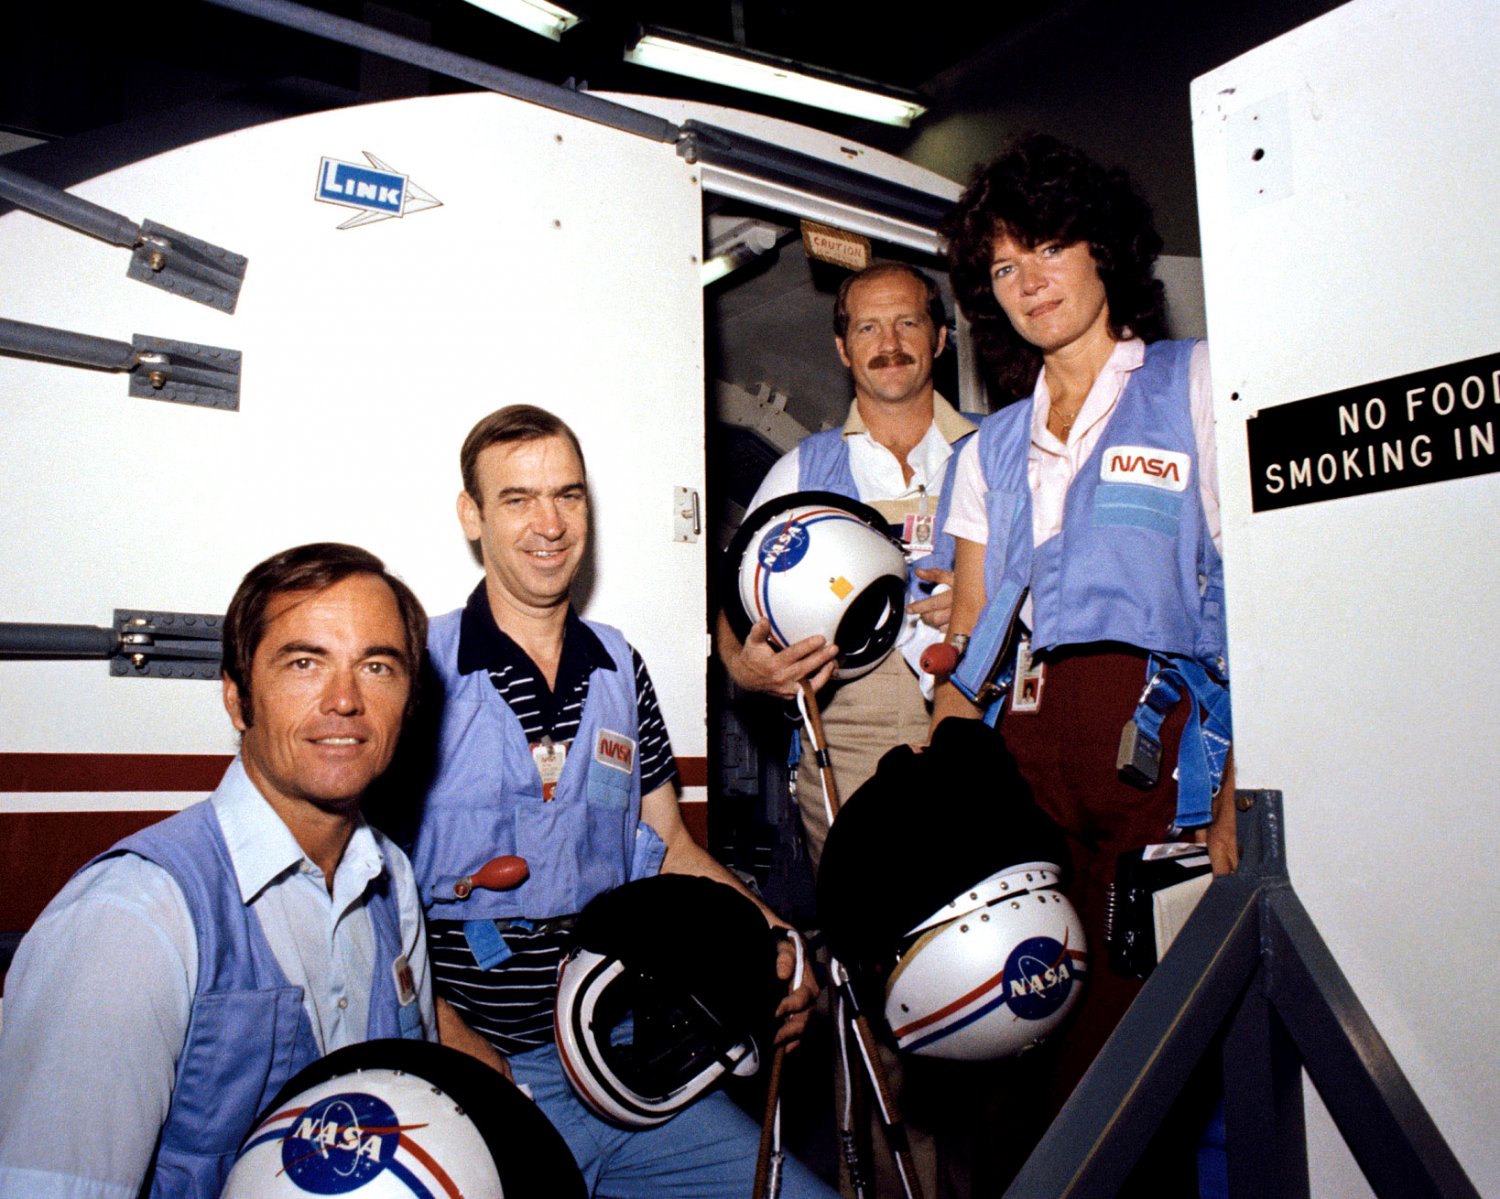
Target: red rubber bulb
[[940, 660], [498, 874], [502, 873]]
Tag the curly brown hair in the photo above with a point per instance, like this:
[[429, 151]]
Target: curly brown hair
[[1043, 190]]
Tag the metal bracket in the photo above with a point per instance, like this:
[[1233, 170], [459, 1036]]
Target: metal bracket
[[187, 266], [185, 372], [156, 645], [162, 257], [160, 369], [167, 645], [687, 517]]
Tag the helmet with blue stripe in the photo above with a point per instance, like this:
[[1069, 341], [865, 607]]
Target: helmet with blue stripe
[[817, 563], [942, 889]]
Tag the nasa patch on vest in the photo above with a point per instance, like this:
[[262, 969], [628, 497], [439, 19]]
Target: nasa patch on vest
[[1164, 469], [615, 750]]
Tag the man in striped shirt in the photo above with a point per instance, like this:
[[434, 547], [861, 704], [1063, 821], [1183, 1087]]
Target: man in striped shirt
[[550, 746]]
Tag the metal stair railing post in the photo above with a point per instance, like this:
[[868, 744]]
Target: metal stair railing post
[[1248, 962]]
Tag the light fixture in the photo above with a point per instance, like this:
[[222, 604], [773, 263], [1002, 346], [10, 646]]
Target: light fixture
[[536, 15], [737, 248], [731, 66]]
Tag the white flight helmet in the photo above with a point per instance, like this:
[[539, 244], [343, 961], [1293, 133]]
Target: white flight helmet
[[398, 1119], [818, 563], [940, 890], [992, 973], [670, 986]]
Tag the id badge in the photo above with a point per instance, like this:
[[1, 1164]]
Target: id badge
[[918, 531], [406, 983], [550, 758], [1031, 677]]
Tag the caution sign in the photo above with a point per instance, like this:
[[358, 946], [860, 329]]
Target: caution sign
[[837, 246], [1425, 427]]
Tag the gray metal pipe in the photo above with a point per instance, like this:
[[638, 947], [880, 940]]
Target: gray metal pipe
[[57, 641], [67, 209], [455, 66], [63, 345]]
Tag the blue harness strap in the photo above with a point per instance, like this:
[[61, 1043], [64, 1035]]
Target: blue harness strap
[[1205, 737], [988, 665]]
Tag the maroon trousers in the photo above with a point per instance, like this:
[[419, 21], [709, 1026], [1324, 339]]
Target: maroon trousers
[[1066, 751]]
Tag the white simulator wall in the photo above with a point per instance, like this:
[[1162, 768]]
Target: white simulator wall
[[561, 269], [1365, 642]]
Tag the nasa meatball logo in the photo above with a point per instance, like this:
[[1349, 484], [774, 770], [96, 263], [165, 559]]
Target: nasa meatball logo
[[783, 547], [1038, 978], [339, 1144]]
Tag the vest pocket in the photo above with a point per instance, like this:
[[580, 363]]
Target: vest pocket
[[457, 841], [1132, 505], [222, 1081], [608, 787], [648, 852]]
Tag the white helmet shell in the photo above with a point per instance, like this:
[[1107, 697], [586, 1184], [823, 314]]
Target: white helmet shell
[[815, 563], [374, 1134], [585, 1040], [398, 1119], [669, 986], [992, 973]]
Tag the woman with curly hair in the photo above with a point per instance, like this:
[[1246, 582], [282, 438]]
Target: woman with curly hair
[[1089, 509]]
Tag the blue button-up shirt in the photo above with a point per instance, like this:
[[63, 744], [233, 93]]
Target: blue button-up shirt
[[99, 995]]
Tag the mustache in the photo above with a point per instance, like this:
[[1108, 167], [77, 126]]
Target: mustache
[[899, 358]]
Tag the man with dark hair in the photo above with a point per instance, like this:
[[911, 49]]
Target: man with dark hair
[[891, 453], [181, 978], [550, 746]]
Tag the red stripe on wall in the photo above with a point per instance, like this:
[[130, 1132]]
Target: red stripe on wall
[[695, 818], [165, 772], [112, 772], [39, 851]]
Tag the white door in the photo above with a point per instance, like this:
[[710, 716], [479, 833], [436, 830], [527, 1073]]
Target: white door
[[1347, 176]]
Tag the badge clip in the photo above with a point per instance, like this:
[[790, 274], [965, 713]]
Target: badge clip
[[1139, 758]]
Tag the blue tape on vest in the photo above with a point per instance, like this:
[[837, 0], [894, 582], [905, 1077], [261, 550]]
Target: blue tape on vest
[[485, 943], [409, 1020]]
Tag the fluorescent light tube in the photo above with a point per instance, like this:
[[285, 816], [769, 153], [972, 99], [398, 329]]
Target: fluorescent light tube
[[769, 79], [536, 15]]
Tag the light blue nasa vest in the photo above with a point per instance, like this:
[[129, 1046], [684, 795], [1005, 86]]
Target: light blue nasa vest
[[248, 1033], [823, 465], [486, 798], [1134, 563]]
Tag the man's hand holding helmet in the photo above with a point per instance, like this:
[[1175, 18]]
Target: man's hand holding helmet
[[761, 665]]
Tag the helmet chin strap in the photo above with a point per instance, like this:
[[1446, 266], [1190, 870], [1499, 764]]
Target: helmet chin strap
[[807, 704]]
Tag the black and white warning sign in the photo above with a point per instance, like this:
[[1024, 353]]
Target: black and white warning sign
[[1425, 427]]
